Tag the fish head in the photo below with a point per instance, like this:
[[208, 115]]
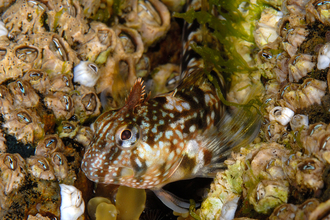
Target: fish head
[[124, 152]]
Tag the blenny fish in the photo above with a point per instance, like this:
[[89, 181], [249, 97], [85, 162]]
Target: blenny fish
[[180, 135]]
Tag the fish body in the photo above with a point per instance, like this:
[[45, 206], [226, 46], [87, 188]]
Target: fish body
[[149, 143], [180, 135]]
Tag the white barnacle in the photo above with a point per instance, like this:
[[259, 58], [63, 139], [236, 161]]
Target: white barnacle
[[323, 59], [86, 73], [3, 29], [282, 115], [72, 203]]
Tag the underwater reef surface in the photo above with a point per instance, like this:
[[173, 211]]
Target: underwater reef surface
[[63, 63]]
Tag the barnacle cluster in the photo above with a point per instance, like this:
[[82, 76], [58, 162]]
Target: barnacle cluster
[[61, 61], [282, 45]]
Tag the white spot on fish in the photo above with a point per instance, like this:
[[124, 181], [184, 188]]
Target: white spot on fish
[[192, 128], [185, 105], [171, 156], [179, 134], [178, 107], [168, 134], [158, 136], [207, 98], [154, 130]]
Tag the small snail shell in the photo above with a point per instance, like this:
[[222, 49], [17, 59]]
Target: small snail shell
[[282, 115], [299, 121]]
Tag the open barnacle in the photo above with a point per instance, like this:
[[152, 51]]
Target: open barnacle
[[61, 83], [61, 104], [86, 102], [292, 28], [305, 172], [12, 170], [38, 79], [299, 66], [84, 136], [58, 57], [268, 162], [315, 141], [60, 165], [151, 18], [99, 43], [274, 131], [24, 17], [25, 125], [284, 212], [67, 19], [318, 10], [268, 194], [81, 134], [39, 167], [86, 73], [24, 94], [68, 129], [16, 58], [49, 144], [295, 96], [6, 100]]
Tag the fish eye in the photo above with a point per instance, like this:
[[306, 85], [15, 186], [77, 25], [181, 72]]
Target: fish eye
[[127, 136]]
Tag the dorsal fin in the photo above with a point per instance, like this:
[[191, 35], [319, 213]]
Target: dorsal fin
[[136, 95]]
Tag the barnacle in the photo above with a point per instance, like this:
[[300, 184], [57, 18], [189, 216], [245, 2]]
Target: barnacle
[[265, 31], [323, 59], [299, 66], [3, 146], [3, 29], [299, 121], [291, 211], [39, 167], [305, 172], [61, 104], [12, 170], [318, 10], [25, 125], [86, 73], [49, 144], [67, 19], [269, 194], [100, 42], [61, 83], [150, 18], [38, 216], [295, 96], [72, 203], [23, 94], [30, 19], [16, 58], [6, 100], [58, 56], [38, 79], [60, 165], [164, 79]]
